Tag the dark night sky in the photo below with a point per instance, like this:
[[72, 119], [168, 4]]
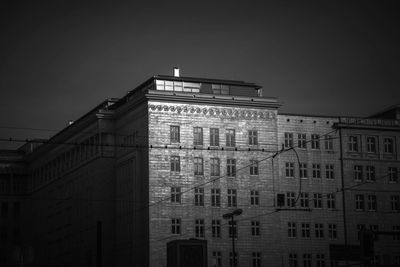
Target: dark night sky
[[58, 59]]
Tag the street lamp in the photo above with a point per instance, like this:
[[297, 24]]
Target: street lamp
[[230, 216]]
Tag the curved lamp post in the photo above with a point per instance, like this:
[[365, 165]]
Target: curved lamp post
[[230, 216]]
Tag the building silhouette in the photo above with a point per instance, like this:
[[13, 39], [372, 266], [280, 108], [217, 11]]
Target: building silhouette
[[168, 159]]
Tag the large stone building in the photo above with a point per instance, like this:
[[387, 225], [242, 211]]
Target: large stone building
[[167, 160]]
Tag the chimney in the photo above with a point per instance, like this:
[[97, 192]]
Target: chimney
[[176, 72]]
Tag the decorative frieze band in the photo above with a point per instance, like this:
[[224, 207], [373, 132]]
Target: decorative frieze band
[[217, 112]]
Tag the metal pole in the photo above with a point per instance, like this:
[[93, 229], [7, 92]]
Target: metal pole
[[233, 243]]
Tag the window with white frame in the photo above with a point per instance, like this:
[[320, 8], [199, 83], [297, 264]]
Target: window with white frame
[[253, 137], [393, 175], [217, 259], [316, 170], [197, 136], [372, 206], [230, 138], [331, 201], [255, 228], [315, 141], [214, 167], [254, 198], [318, 200], [303, 170], [198, 166], [199, 228], [232, 198], [215, 197], [370, 173], [292, 230], [304, 200], [289, 169], [199, 196], [305, 230], [388, 145], [320, 260], [214, 137], [216, 228], [307, 262], [290, 199], [253, 167], [302, 140], [319, 230], [359, 202], [175, 226], [395, 203], [293, 260], [353, 143], [256, 259], [358, 173], [371, 144], [396, 228], [176, 194], [332, 231], [231, 167], [288, 140], [329, 142], [175, 164], [329, 171]]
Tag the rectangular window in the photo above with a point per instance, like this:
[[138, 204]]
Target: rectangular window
[[256, 259], [303, 170], [255, 228], [175, 164], [253, 167], [290, 199], [216, 228], [214, 137], [231, 264], [393, 177], [353, 144], [358, 173], [198, 166], [254, 198], [329, 171], [174, 134], [318, 200], [175, 194], [316, 170], [215, 197], [395, 203], [220, 89], [370, 174], [319, 230], [331, 201], [320, 260], [307, 260], [4, 210], [288, 140], [199, 228], [332, 231], [292, 230], [217, 259], [231, 167], [289, 169], [388, 145], [371, 144], [175, 226], [305, 230], [253, 138], [199, 196], [214, 170], [328, 142], [292, 260], [315, 141], [230, 138], [301, 141], [304, 200], [359, 202], [360, 227], [232, 229], [371, 202], [197, 136], [232, 198]]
